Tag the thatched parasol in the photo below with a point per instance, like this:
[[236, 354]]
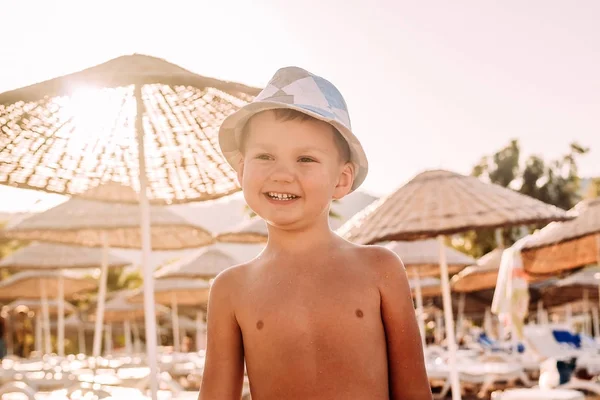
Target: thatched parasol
[[189, 292], [442, 203], [566, 245], [27, 284], [92, 223], [54, 139], [119, 309], [430, 287], [86, 222], [181, 285], [422, 258], [207, 263], [484, 275], [36, 306], [47, 256], [251, 231], [580, 290], [436, 203]]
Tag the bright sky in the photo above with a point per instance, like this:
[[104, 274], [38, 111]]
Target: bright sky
[[428, 84]]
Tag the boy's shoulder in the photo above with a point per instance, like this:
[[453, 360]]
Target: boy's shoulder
[[377, 258]]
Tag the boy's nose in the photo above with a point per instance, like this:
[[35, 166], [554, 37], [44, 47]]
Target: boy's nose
[[282, 173]]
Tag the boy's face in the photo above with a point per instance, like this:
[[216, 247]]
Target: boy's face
[[291, 170]]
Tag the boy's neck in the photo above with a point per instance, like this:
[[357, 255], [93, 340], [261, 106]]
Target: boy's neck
[[300, 241]]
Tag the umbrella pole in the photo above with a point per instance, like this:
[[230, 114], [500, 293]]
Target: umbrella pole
[[46, 317], [97, 346], [596, 321], [10, 344], [449, 322], [487, 322], [175, 323], [439, 326], [148, 273], [127, 330], [61, 316], [419, 298], [586, 312], [540, 312], [38, 334], [569, 315], [460, 319], [81, 338], [108, 340], [199, 330], [136, 338]]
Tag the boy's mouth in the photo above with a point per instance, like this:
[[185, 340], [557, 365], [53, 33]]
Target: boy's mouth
[[281, 196]]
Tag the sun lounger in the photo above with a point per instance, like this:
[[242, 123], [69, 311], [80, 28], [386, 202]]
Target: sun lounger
[[538, 394]]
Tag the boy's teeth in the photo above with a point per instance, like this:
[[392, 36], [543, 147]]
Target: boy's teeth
[[281, 196]]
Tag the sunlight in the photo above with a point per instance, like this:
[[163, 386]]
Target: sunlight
[[93, 112]]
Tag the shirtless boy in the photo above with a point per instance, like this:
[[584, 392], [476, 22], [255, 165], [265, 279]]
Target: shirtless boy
[[313, 316]]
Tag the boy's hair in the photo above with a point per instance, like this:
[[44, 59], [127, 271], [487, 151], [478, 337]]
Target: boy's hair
[[288, 114]]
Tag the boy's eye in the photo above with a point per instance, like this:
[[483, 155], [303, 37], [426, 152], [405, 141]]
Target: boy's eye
[[263, 157], [306, 159]]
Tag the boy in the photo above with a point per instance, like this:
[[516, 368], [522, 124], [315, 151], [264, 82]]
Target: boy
[[313, 316]]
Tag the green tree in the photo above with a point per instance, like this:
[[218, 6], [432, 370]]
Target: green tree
[[554, 182]]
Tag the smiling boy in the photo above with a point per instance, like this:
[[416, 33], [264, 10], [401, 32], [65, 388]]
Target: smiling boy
[[313, 316]]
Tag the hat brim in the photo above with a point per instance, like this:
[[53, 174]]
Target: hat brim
[[231, 130]]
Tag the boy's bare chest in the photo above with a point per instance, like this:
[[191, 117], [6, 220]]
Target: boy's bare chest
[[308, 305]]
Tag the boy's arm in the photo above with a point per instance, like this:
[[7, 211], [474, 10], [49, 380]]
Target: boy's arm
[[224, 364], [407, 375]]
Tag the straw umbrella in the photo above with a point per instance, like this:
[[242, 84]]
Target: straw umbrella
[[580, 287], [46, 256], [484, 274], [157, 132], [421, 259], [92, 223], [251, 231], [437, 203], [566, 245], [118, 309], [186, 291], [37, 284], [205, 264]]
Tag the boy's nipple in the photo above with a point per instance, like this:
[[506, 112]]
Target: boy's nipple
[[259, 325], [359, 313]]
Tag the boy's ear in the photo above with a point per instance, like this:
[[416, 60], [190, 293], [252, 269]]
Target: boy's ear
[[240, 170], [345, 181]]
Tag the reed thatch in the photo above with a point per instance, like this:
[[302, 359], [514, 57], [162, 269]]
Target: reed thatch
[[481, 276], [484, 274], [35, 305], [566, 245], [85, 223], [430, 287], [443, 203], [205, 264], [57, 256], [55, 139], [251, 231], [187, 292], [423, 257], [119, 309], [571, 289], [556, 296], [27, 284]]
